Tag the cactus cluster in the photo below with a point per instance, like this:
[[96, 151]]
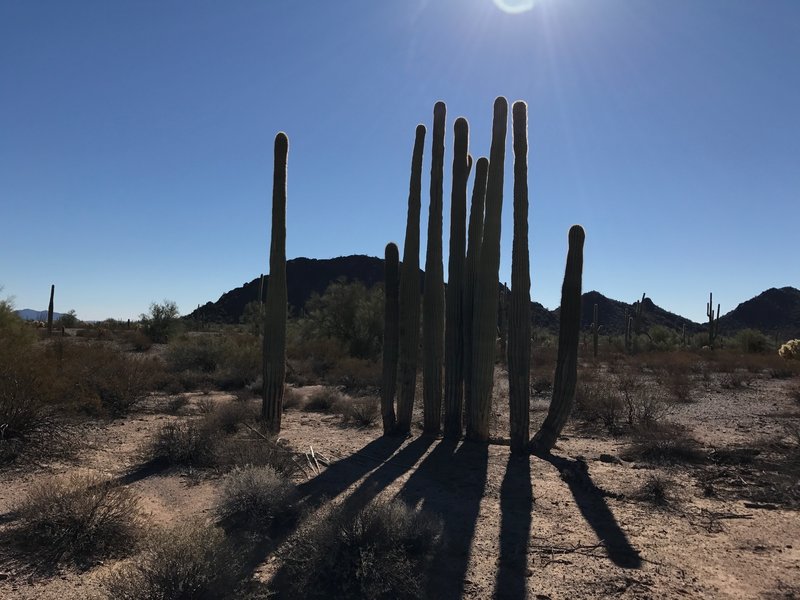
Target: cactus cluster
[[468, 348]]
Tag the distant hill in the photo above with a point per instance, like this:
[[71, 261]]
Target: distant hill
[[29, 314], [774, 311], [304, 277], [611, 315]]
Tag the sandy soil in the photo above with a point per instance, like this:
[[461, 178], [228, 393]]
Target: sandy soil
[[567, 527]]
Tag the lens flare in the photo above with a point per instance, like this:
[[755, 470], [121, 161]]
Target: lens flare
[[514, 6]]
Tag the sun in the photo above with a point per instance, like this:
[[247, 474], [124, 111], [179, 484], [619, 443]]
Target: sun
[[514, 6]]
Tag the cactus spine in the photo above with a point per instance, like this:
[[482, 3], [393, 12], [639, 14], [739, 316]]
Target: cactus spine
[[519, 330], [409, 293], [50, 310], [433, 295], [274, 357], [485, 310], [569, 332], [595, 331], [454, 321], [391, 335], [713, 324], [471, 275]]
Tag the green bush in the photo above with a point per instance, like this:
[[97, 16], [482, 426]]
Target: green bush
[[325, 400], [190, 561], [161, 322], [229, 361], [382, 552], [752, 341]]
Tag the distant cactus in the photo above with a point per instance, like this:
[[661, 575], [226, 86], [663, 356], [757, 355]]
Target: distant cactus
[[409, 293], [454, 321], [519, 331], [476, 217], [50, 311], [433, 296], [485, 310], [713, 324], [790, 350], [274, 359], [391, 335], [568, 335]]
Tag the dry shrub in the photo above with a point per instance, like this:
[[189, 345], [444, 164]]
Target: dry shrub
[[794, 393], [667, 443], [735, 380], [190, 561], [206, 405], [325, 400], [381, 552], [229, 416], [363, 411], [252, 497], [79, 517], [595, 401], [292, 398], [657, 490], [256, 451], [229, 361], [355, 374], [176, 404], [187, 444]]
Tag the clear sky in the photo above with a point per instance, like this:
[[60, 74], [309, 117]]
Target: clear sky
[[136, 140]]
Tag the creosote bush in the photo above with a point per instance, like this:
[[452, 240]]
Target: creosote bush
[[190, 561], [381, 552], [325, 400], [253, 496], [79, 517], [657, 490], [363, 412]]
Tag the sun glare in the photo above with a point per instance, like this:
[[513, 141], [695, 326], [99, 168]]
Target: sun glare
[[514, 6]]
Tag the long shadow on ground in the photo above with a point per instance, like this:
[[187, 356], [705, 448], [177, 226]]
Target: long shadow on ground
[[450, 482], [516, 508], [345, 472], [591, 501]]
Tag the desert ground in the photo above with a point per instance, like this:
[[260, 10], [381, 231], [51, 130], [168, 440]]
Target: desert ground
[[705, 507]]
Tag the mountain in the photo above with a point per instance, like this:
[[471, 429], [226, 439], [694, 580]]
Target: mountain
[[304, 277], [611, 315], [774, 311], [28, 314]]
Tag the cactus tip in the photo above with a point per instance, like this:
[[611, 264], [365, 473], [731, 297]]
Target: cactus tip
[[281, 141]]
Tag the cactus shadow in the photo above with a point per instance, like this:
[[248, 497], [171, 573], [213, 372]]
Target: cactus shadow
[[591, 501], [342, 474], [516, 506], [450, 482]]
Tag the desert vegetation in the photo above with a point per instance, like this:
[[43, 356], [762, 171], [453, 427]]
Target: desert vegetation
[[387, 443]]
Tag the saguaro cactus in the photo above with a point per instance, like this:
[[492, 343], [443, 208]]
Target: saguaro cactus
[[50, 310], [712, 323], [454, 322], [519, 331], [568, 335], [274, 363], [485, 309], [433, 296], [409, 293], [471, 275], [391, 335]]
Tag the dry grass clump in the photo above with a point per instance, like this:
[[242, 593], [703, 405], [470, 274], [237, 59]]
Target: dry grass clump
[[292, 398], [667, 443], [252, 497], [325, 400], [190, 561], [363, 412], [79, 517], [381, 552], [657, 490]]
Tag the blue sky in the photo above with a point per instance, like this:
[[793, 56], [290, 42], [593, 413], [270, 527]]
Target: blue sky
[[136, 140]]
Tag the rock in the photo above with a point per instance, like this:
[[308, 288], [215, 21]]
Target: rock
[[610, 458]]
